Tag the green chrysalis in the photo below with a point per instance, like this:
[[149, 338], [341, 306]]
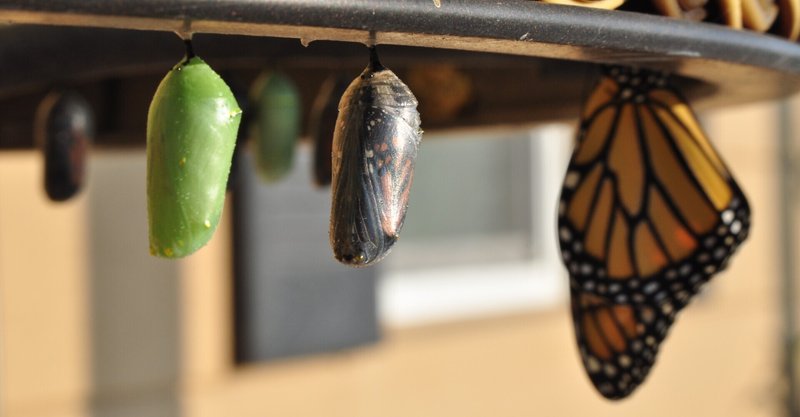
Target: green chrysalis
[[277, 125], [191, 132]]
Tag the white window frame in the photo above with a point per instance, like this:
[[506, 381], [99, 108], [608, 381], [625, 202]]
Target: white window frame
[[408, 297]]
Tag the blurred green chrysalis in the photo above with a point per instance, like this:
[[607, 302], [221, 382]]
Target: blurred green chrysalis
[[191, 132], [277, 125]]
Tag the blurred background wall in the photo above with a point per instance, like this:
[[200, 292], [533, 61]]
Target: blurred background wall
[[471, 306]]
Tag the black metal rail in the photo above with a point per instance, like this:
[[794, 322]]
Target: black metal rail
[[743, 66], [528, 61]]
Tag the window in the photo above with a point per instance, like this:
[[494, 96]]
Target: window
[[479, 236]]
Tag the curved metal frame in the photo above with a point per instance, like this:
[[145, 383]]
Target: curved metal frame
[[727, 59]]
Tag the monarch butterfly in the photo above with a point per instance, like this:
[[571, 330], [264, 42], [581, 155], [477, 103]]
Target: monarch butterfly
[[323, 124], [277, 125], [648, 213], [191, 132], [374, 148], [64, 129]]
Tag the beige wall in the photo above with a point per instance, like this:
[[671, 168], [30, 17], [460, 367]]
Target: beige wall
[[721, 358], [44, 295]]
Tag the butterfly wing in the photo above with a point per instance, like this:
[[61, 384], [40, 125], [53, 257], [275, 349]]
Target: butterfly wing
[[618, 342], [648, 209], [648, 213]]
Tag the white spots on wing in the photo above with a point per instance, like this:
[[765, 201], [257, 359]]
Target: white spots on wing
[[651, 287], [593, 365], [610, 370], [625, 361], [571, 180], [736, 227], [727, 216], [636, 346], [667, 308]]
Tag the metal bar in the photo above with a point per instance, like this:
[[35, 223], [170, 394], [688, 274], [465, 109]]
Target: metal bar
[[788, 290], [725, 58]]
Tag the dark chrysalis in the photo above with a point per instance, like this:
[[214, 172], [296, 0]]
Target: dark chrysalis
[[323, 124], [374, 148], [277, 124], [64, 130]]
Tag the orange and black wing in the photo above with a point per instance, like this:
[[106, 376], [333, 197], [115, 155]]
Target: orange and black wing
[[648, 213], [648, 210], [618, 342]]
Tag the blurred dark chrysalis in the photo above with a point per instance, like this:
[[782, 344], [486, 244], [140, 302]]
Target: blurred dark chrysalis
[[323, 124], [374, 148], [64, 129]]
